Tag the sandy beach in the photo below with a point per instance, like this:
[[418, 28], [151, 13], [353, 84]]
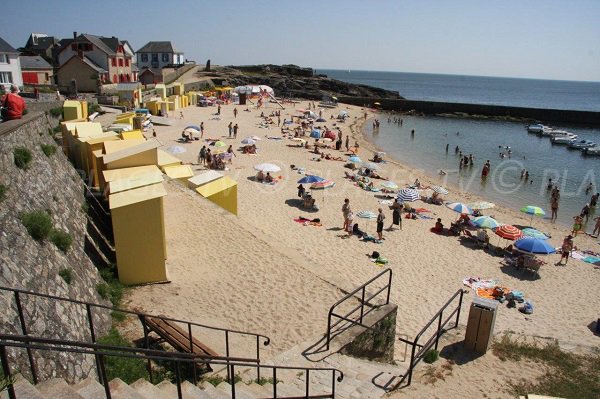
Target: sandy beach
[[263, 272]]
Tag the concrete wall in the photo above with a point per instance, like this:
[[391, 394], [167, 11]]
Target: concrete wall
[[51, 184], [432, 107]]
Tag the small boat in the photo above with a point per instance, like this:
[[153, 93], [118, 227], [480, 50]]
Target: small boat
[[536, 128], [592, 151], [563, 139], [580, 145], [547, 131]]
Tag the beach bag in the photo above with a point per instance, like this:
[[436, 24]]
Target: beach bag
[[355, 228], [375, 255]]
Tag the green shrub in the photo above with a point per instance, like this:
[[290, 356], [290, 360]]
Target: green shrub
[[93, 107], [57, 129], [61, 239], [214, 380], [48, 149], [431, 356], [37, 223], [22, 157], [56, 112], [66, 274], [103, 290], [3, 191]]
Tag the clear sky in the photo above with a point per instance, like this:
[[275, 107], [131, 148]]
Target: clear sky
[[544, 39]]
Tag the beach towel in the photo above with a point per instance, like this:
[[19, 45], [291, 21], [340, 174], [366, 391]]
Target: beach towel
[[424, 217], [592, 259], [386, 202], [422, 210], [478, 282], [578, 255]]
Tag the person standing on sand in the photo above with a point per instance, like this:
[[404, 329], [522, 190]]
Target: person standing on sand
[[230, 127], [380, 219], [219, 109], [567, 247], [235, 112], [201, 129], [347, 143], [554, 208], [396, 215], [345, 211], [235, 130]]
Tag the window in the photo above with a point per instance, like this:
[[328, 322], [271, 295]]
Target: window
[[154, 57], [144, 57], [126, 62], [74, 46], [165, 58], [115, 79], [114, 61], [120, 61], [4, 59], [6, 77]]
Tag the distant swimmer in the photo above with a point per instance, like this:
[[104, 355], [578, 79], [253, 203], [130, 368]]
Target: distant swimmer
[[412, 132], [457, 133], [447, 145], [442, 172], [456, 150]]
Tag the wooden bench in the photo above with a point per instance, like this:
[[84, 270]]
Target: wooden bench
[[177, 337]]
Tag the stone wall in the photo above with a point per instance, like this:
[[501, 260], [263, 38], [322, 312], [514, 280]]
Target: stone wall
[[376, 342], [49, 184]]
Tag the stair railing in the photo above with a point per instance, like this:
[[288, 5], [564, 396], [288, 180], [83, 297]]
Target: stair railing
[[106, 351], [18, 296], [364, 302]]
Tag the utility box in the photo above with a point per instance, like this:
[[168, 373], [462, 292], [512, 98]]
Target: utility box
[[480, 326]]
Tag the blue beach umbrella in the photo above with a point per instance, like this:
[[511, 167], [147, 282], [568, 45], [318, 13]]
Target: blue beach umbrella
[[460, 208], [355, 159], [531, 245], [310, 179], [485, 222], [533, 233], [408, 195], [315, 134]]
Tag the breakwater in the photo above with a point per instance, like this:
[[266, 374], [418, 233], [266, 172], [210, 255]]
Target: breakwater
[[434, 108]]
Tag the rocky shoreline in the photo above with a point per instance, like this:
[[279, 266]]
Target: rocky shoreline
[[294, 81]]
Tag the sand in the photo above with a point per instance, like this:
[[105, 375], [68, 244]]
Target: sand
[[265, 273]]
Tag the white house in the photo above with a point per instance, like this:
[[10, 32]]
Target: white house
[[157, 55], [10, 66]]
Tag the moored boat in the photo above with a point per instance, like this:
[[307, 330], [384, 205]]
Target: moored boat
[[582, 144], [563, 139], [536, 128], [592, 151]]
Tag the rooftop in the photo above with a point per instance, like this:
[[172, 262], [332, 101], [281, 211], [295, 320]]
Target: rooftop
[[34, 62], [159, 47], [7, 48]]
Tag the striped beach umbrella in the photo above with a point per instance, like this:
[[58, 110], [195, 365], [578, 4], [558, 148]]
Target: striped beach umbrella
[[310, 179], [439, 190], [533, 233], [408, 195], [480, 205], [321, 185], [460, 208], [531, 245], [508, 232], [485, 222]]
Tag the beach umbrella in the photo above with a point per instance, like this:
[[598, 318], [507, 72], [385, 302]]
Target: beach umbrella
[[531, 245], [460, 208], [267, 167], [533, 233], [369, 215], [310, 179], [176, 149], [315, 134], [321, 185], [321, 120], [248, 141], [439, 190], [256, 138], [343, 114], [195, 127], [390, 185], [371, 165], [376, 103], [355, 159], [485, 222], [508, 232], [219, 144], [533, 210], [408, 195], [481, 205], [191, 130]]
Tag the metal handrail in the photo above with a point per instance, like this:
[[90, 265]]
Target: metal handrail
[[416, 357], [141, 316], [103, 351], [361, 306]]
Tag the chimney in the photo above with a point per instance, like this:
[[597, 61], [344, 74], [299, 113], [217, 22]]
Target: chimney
[[74, 35]]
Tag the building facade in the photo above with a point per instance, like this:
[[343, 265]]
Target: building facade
[[36, 70], [10, 66], [157, 55]]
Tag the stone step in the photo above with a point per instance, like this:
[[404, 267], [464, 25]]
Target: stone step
[[90, 388], [239, 394], [191, 391], [120, 390], [254, 389], [23, 389], [57, 388], [148, 390], [213, 392]]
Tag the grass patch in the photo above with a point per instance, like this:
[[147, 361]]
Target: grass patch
[[569, 375], [22, 157], [263, 381], [37, 223], [112, 289], [61, 239], [66, 274], [56, 112], [118, 317], [93, 107], [3, 191], [214, 380], [127, 369], [431, 356], [48, 149]]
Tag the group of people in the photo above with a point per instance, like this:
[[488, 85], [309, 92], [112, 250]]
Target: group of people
[[351, 228]]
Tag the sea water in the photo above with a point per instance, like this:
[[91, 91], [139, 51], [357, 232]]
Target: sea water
[[487, 139]]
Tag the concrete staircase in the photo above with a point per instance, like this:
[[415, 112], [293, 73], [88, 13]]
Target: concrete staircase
[[89, 388]]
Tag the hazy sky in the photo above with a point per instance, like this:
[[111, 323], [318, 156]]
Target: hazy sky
[[516, 38]]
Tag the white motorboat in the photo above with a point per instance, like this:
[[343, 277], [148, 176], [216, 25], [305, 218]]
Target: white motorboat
[[563, 139], [536, 128], [592, 151], [582, 144], [547, 131]]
